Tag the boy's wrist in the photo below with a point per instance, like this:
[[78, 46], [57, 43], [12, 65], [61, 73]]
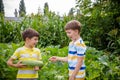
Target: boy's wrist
[[15, 65], [73, 75], [58, 58]]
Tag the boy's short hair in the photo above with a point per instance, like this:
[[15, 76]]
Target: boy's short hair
[[29, 33], [74, 25]]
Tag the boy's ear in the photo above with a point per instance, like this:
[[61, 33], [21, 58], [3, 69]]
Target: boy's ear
[[27, 39], [77, 31]]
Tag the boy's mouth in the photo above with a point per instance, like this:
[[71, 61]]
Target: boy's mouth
[[35, 43], [71, 37]]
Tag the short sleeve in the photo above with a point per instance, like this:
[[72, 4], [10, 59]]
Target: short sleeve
[[16, 54], [80, 48], [39, 54]]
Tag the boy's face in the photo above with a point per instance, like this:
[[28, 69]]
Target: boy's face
[[32, 41], [72, 34]]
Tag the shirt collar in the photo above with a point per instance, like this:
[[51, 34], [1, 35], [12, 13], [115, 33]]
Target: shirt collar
[[28, 48]]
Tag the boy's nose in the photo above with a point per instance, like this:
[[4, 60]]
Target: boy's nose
[[37, 41]]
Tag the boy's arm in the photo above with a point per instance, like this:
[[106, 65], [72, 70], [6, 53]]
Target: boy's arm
[[10, 62], [36, 68], [78, 66], [56, 58], [64, 59], [18, 65]]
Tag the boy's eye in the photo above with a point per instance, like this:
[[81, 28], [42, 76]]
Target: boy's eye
[[69, 32], [36, 39]]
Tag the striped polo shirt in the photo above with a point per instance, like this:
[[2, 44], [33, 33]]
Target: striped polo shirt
[[24, 53], [76, 49]]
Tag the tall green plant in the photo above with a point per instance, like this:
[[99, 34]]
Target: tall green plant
[[22, 8], [46, 8], [1, 7]]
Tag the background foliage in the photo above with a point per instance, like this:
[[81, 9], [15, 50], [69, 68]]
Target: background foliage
[[100, 31], [99, 64]]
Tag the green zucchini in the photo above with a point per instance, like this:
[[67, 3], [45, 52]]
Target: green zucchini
[[33, 63]]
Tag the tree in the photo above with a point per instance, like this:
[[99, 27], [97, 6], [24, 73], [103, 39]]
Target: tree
[[71, 12], [22, 9], [1, 7], [46, 8], [101, 23], [16, 13], [39, 10]]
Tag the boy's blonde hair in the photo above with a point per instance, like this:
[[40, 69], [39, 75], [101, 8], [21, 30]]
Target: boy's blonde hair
[[74, 25]]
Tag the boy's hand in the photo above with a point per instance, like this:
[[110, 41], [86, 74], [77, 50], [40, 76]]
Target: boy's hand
[[20, 65], [53, 58], [72, 78], [36, 68]]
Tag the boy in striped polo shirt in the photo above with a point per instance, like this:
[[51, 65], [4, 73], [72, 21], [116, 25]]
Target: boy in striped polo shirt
[[76, 54], [27, 52]]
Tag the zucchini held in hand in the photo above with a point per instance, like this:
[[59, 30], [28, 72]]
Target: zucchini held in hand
[[33, 63]]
